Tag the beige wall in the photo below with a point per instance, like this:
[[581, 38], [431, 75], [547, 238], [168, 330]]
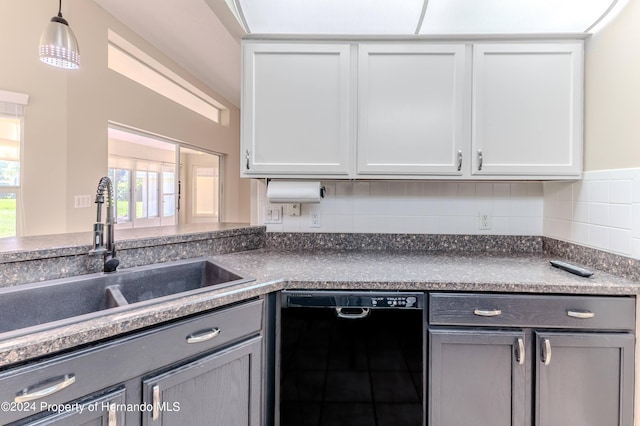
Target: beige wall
[[65, 149], [612, 93]]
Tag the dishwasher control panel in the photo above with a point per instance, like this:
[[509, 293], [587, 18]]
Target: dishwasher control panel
[[345, 299]]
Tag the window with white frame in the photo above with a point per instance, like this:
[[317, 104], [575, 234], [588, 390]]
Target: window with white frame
[[11, 124]]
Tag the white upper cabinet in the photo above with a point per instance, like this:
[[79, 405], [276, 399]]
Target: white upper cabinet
[[527, 109], [296, 109], [473, 109], [411, 109]]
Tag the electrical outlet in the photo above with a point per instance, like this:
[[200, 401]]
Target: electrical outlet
[[315, 220], [484, 221]]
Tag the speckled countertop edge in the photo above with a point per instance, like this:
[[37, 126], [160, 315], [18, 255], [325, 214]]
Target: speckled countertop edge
[[278, 270], [50, 246], [33, 345]]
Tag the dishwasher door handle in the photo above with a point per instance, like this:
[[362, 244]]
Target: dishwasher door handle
[[353, 313]]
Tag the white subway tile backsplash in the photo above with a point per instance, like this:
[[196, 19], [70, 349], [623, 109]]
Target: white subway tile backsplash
[[635, 197], [620, 216], [599, 214], [635, 248], [422, 207], [635, 220], [619, 240], [581, 212], [601, 211], [599, 191], [598, 236], [580, 191], [580, 233], [605, 214], [620, 192]]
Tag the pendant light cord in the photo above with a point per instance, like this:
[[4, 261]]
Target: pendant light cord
[[60, 8]]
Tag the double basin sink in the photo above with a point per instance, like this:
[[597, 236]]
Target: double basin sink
[[39, 306]]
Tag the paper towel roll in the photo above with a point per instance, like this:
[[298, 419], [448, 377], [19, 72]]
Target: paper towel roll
[[293, 192]]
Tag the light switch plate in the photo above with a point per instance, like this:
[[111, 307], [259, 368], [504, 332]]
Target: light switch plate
[[273, 214]]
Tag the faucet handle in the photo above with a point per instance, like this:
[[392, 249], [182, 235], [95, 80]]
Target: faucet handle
[[98, 239]]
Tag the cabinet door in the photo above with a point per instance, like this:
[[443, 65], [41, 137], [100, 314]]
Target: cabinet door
[[584, 379], [296, 109], [224, 388], [104, 410], [527, 109], [477, 378], [411, 114]]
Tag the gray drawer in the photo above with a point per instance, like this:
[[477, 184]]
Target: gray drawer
[[116, 361], [543, 311]]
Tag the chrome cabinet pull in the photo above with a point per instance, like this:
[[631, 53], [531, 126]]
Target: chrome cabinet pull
[[29, 395], [487, 312], [113, 415], [247, 156], [361, 313], [156, 402], [459, 160], [521, 354], [546, 352], [479, 160], [581, 314], [203, 336]]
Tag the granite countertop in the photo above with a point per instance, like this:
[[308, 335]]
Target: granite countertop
[[15, 249], [419, 270], [333, 269]]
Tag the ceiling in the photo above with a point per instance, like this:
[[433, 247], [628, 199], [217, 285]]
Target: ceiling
[[204, 35], [190, 33]]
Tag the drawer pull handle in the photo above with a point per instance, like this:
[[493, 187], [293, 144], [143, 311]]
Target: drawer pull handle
[[156, 403], [203, 336], [520, 351], [27, 395], [113, 415], [581, 314], [546, 352], [487, 312]]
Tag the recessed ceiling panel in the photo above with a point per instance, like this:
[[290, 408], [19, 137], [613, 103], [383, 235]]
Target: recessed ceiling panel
[[512, 17], [332, 16]]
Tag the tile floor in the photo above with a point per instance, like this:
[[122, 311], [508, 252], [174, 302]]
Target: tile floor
[[364, 372]]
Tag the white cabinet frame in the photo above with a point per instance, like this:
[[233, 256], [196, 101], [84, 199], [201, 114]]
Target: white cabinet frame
[[527, 110]]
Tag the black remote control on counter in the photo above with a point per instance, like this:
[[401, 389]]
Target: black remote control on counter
[[571, 268]]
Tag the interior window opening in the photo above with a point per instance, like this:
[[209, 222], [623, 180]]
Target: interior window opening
[[161, 182], [10, 147]]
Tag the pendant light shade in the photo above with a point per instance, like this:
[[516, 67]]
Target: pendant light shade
[[58, 44]]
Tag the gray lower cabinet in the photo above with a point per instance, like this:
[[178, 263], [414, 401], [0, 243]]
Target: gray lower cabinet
[[476, 377], [520, 360], [201, 371], [219, 389], [584, 379], [99, 410]]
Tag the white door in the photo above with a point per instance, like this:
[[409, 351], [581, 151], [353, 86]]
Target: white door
[[296, 110], [411, 114], [527, 109]]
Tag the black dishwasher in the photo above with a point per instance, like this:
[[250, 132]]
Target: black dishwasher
[[351, 358]]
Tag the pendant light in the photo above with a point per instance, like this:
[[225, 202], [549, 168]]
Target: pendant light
[[58, 45]]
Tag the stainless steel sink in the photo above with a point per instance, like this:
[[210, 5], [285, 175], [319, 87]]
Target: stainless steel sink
[[34, 307]]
